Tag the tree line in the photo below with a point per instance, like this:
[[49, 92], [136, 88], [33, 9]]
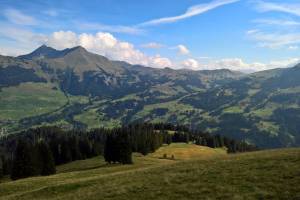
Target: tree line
[[37, 151]]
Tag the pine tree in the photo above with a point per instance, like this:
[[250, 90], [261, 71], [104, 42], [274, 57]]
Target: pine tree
[[23, 163], [232, 147], [55, 149], [187, 137], [108, 149], [118, 148], [204, 142], [211, 142], [74, 148], [85, 148], [220, 140], [1, 167], [65, 152], [6, 165], [47, 160], [125, 151]]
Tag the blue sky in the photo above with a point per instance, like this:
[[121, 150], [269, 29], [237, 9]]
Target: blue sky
[[196, 34]]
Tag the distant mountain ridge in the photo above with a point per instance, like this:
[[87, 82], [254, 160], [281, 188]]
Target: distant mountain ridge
[[49, 52], [76, 88]]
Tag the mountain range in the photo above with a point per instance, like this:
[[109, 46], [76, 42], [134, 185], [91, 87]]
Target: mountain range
[[74, 88]]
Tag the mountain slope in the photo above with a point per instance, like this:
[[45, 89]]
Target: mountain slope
[[264, 109], [93, 91]]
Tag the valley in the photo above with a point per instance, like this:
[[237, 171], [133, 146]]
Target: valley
[[74, 88], [150, 100]]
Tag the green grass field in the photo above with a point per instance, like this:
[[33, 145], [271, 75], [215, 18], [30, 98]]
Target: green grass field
[[29, 99], [198, 173]]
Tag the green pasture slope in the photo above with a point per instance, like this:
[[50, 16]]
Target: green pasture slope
[[203, 174]]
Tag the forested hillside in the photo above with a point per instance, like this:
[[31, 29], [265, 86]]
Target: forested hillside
[[74, 88], [37, 151]]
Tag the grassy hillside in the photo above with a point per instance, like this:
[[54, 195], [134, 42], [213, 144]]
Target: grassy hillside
[[272, 174], [29, 99]]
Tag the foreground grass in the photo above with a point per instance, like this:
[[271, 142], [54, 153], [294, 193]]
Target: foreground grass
[[271, 174]]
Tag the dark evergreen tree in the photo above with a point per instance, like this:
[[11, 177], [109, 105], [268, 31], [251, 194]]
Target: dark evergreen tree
[[65, 152], [55, 149], [232, 147], [220, 140], [46, 159], [125, 151], [74, 148], [23, 162], [211, 142], [1, 167], [108, 149], [85, 148], [7, 166], [118, 148]]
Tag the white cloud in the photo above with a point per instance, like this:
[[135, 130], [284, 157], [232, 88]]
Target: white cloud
[[51, 12], [283, 63], [252, 31], [280, 37], [109, 28], [15, 33], [190, 12], [17, 17], [24, 40], [62, 39], [277, 22], [275, 39], [183, 50], [136, 29], [152, 45], [107, 45], [19, 40], [291, 8], [8, 50], [293, 47], [190, 64], [159, 62], [239, 65]]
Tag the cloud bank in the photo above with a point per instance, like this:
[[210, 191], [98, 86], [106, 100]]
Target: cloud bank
[[107, 45], [238, 64]]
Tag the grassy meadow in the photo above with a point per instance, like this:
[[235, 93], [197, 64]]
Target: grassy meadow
[[29, 99], [195, 173]]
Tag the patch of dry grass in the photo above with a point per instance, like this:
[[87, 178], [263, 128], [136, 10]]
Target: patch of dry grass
[[183, 151]]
